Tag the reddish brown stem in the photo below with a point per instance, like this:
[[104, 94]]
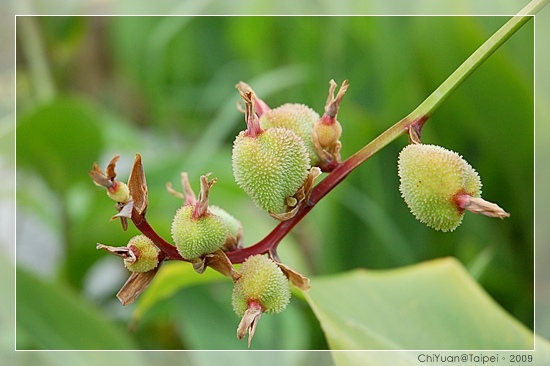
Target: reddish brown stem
[[168, 250], [337, 175]]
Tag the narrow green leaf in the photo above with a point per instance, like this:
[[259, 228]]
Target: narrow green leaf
[[434, 305], [55, 318]]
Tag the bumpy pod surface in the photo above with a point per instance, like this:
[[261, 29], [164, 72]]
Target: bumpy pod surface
[[230, 221], [261, 281], [298, 118], [270, 166], [431, 178], [195, 237], [146, 253]]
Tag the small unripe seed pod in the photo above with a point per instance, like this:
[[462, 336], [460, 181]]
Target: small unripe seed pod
[[119, 192], [298, 118], [327, 130], [327, 133], [270, 166], [262, 282], [196, 236], [432, 178], [144, 254]]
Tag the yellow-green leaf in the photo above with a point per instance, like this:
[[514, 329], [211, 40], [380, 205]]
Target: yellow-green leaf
[[434, 305]]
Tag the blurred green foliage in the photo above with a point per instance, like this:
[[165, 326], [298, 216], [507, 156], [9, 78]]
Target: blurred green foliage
[[164, 87]]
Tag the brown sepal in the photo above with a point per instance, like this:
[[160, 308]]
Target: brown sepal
[[219, 262], [138, 186], [478, 205], [233, 242], [123, 252], [251, 116], [135, 285], [249, 321], [106, 180], [415, 133], [188, 194], [297, 279], [294, 203], [124, 213], [330, 156], [201, 206], [260, 106]]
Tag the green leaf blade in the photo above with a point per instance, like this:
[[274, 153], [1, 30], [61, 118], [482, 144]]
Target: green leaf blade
[[435, 305], [47, 314]]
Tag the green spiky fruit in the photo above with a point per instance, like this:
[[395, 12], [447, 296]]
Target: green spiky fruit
[[263, 282], [195, 237], [146, 254], [230, 221], [270, 166], [298, 118], [432, 177]]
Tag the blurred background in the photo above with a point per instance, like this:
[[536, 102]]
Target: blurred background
[[92, 87]]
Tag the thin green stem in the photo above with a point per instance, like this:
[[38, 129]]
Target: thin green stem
[[419, 116], [411, 124], [439, 95], [415, 120]]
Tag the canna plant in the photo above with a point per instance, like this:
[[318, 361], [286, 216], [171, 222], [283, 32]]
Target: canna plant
[[277, 159]]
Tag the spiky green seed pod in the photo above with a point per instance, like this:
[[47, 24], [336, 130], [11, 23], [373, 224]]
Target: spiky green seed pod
[[270, 166], [145, 254], [298, 118], [432, 178], [230, 221], [263, 282], [195, 237]]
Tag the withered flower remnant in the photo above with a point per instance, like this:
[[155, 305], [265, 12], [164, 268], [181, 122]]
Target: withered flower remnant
[[262, 288], [116, 190]]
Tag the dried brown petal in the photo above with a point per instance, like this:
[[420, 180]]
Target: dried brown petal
[[249, 321], [188, 194], [218, 261], [479, 206], [110, 171], [135, 285], [124, 213], [297, 279], [201, 206], [99, 178], [122, 252], [233, 242], [173, 192], [138, 186], [260, 106], [125, 210], [199, 265], [333, 104]]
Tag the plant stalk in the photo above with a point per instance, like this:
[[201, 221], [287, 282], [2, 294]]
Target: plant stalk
[[415, 120], [411, 124]]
